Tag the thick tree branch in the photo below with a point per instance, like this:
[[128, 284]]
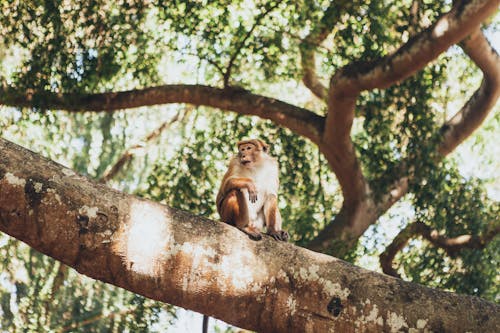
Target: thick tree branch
[[210, 267], [473, 113], [450, 245], [464, 18], [299, 120], [345, 87], [468, 118]]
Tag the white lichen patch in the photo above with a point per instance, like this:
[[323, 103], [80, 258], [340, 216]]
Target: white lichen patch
[[13, 180], [199, 255], [372, 316], [91, 212], [291, 304], [55, 195], [235, 268], [185, 283], [334, 288], [234, 275], [421, 323], [396, 322], [282, 276], [197, 250], [255, 287], [310, 274], [105, 236], [37, 187]]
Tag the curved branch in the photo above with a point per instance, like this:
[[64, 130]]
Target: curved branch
[[310, 79], [315, 38], [398, 243], [345, 87], [308, 60], [450, 245], [452, 27], [468, 118], [299, 120], [473, 113]]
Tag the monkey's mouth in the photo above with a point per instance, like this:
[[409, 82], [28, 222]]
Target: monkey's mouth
[[246, 162]]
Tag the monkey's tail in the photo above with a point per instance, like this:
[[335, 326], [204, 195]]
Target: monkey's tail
[[205, 324]]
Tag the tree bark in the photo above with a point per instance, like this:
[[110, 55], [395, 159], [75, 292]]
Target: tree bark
[[210, 267]]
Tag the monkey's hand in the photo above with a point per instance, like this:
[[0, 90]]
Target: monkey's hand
[[252, 192]]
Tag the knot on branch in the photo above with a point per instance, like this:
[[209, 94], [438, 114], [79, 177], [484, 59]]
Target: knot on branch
[[335, 306]]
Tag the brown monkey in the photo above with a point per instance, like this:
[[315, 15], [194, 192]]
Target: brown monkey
[[248, 195]]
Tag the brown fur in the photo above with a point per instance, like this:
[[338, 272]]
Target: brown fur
[[247, 197]]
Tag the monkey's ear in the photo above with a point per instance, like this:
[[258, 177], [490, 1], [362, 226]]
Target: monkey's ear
[[265, 146]]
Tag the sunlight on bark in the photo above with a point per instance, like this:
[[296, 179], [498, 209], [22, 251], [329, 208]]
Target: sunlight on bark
[[145, 238], [235, 269], [441, 27]]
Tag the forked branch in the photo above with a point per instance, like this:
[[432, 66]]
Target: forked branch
[[345, 87], [468, 118]]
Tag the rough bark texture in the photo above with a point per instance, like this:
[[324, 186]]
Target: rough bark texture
[[210, 267], [332, 133]]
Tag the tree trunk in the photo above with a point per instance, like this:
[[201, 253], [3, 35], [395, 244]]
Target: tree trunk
[[178, 258]]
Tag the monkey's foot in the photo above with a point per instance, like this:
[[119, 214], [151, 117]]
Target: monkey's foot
[[252, 232], [281, 235]]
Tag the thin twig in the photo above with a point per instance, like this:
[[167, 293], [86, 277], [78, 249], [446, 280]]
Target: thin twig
[[242, 43], [131, 151], [450, 245]]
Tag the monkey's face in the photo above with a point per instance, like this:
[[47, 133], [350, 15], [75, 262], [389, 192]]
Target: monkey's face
[[249, 154]]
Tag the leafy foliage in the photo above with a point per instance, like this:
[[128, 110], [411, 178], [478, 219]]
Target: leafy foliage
[[455, 206], [101, 45]]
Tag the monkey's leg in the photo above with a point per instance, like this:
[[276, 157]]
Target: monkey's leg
[[234, 211], [273, 219], [228, 208], [243, 219]]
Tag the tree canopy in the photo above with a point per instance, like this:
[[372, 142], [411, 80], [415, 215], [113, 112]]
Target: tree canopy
[[364, 104]]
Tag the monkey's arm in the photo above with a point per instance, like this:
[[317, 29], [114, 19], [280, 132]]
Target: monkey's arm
[[236, 183]]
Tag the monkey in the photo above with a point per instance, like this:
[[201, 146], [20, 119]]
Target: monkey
[[248, 195]]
